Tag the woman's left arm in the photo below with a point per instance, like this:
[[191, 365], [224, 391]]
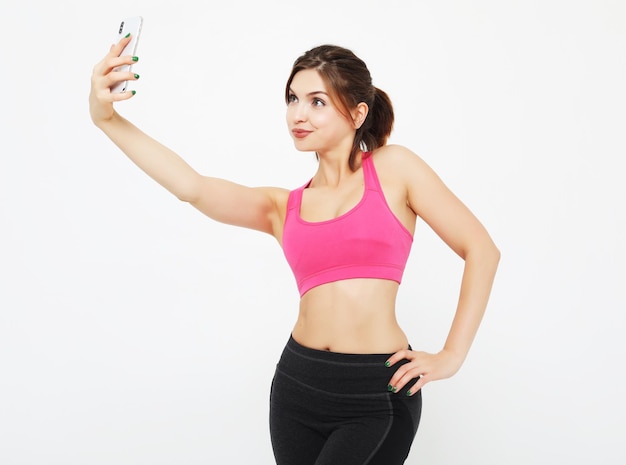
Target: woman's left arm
[[451, 220]]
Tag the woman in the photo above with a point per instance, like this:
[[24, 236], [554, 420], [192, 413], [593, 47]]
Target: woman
[[347, 388]]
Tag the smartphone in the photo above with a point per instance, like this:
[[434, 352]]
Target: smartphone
[[130, 25]]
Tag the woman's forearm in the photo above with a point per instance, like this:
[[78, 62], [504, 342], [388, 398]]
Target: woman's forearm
[[478, 276]]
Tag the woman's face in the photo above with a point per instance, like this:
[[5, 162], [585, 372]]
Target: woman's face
[[314, 122]]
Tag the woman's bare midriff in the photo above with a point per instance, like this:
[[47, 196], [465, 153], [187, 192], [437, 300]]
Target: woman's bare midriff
[[351, 316]]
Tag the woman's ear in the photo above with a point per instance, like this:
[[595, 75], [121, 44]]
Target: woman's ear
[[359, 114]]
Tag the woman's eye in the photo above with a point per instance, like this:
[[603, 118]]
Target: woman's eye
[[318, 103], [292, 98]]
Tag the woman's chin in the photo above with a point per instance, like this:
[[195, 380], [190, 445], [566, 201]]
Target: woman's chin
[[302, 147]]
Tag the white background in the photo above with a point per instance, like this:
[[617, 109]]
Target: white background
[[133, 330]]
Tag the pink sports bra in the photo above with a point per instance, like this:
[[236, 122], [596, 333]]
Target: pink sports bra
[[365, 242]]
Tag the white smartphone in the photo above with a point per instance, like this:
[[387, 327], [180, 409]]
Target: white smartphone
[[130, 25]]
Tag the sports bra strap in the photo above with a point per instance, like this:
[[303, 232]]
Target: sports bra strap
[[369, 173], [295, 198]]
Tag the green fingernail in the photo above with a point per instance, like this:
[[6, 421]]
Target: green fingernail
[[387, 363], [408, 393], [395, 389], [389, 387], [133, 92], [135, 58], [136, 76], [127, 36]]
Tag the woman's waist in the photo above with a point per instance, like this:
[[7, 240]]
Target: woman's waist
[[356, 331], [371, 339]]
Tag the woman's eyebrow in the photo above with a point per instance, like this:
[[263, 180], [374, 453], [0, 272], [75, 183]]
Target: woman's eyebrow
[[315, 92]]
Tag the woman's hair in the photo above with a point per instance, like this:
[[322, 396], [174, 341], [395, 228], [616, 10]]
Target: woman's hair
[[349, 83]]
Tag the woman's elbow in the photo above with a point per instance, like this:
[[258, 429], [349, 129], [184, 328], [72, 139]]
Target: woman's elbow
[[484, 250], [189, 191]]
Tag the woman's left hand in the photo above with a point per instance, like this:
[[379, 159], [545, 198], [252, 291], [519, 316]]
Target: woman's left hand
[[425, 366]]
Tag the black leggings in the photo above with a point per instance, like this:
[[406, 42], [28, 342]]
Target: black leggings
[[329, 408]]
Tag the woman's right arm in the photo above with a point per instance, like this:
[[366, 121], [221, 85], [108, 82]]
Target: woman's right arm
[[224, 201]]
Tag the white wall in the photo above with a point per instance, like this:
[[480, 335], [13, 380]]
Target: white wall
[[135, 331]]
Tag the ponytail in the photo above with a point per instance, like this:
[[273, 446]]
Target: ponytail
[[377, 126]]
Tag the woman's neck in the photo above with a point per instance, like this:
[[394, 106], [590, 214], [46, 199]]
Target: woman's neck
[[333, 168]]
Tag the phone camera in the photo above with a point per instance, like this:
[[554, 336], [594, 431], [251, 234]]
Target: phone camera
[[121, 28]]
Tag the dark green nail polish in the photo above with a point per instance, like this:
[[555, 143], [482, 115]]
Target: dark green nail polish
[[133, 92], [394, 390], [127, 36], [389, 387], [408, 393], [135, 58], [136, 76], [387, 363]]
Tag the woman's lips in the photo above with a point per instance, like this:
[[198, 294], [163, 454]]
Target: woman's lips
[[300, 133]]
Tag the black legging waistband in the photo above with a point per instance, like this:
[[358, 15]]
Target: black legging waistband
[[336, 372]]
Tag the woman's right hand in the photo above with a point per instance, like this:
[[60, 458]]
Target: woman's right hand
[[103, 78]]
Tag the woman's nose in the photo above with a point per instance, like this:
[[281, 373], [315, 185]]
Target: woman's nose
[[299, 113]]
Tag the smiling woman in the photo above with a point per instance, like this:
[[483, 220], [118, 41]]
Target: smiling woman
[[347, 388]]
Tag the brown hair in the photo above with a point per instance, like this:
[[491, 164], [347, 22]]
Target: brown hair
[[349, 83]]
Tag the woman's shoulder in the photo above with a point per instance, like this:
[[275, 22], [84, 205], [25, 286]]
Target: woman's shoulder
[[397, 159]]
